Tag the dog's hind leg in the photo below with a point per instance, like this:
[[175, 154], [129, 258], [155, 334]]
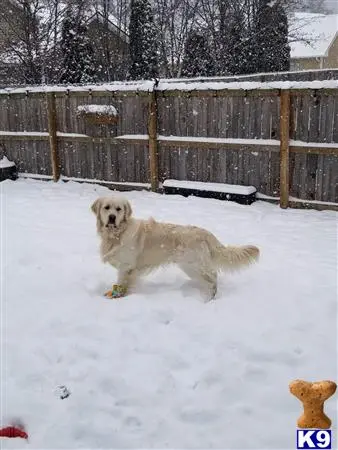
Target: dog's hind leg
[[205, 276]]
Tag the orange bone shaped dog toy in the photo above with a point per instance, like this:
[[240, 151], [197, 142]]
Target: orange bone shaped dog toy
[[313, 396]]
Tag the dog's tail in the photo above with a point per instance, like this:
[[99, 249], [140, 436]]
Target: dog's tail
[[234, 258]]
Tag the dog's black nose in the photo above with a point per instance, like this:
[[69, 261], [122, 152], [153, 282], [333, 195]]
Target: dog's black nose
[[112, 218]]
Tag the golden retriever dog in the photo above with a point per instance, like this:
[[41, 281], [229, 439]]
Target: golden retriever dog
[[135, 247]]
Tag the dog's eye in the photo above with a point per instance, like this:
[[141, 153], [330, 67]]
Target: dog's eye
[[107, 207], [118, 209]]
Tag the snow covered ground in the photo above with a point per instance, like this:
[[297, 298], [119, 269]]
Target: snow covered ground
[[161, 369]]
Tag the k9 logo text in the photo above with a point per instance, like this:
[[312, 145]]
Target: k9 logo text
[[313, 439]]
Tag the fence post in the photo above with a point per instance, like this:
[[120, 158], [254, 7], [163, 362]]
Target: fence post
[[52, 129], [153, 143], [284, 148]]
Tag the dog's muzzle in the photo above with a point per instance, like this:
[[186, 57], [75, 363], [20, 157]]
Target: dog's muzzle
[[111, 219]]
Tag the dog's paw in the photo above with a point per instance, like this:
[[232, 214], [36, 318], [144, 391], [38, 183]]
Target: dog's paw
[[117, 291]]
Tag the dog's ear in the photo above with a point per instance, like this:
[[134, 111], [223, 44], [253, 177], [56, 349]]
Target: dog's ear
[[96, 210], [127, 210], [96, 206]]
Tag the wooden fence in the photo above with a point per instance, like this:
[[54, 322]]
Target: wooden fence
[[281, 138]]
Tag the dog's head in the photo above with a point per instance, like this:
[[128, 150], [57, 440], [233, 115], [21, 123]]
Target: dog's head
[[111, 213]]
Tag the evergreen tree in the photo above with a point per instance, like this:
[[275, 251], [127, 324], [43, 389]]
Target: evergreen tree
[[142, 41], [196, 61], [234, 48], [223, 48], [76, 50], [270, 40]]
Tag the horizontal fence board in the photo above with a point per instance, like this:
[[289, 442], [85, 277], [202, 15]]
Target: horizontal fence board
[[177, 141]]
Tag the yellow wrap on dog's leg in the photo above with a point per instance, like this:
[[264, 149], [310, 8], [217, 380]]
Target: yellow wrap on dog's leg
[[117, 291]]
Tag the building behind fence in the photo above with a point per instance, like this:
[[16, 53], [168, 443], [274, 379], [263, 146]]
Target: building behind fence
[[280, 137]]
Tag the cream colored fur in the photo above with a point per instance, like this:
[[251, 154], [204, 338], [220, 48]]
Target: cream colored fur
[[135, 247]]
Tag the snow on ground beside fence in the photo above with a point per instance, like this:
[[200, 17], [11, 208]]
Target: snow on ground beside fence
[[161, 369], [112, 184]]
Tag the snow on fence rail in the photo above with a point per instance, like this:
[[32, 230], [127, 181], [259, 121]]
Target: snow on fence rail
[[165, 86], [281, 137]]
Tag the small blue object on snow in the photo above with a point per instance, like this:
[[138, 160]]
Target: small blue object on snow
[[62, 392]]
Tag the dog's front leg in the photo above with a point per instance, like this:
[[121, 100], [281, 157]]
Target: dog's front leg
[[126, 277], [125, 280]]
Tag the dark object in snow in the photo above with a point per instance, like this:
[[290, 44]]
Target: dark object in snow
[[63, 392], [13, 432], [8, 170], [245, 195]]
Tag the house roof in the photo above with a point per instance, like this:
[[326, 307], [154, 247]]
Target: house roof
[[91, 14], [113, 23], [318, 33]]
